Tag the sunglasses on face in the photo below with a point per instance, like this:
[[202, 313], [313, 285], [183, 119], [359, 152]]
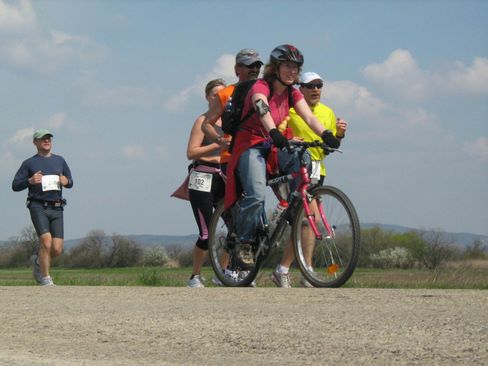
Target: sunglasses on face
[[256, 65], [313, 85]]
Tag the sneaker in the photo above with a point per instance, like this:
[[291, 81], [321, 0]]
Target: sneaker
[[281, 279], [195, 282], [304, 283], [36, 269], [245, 255], [244, 274], [231, 275], [47, 281]]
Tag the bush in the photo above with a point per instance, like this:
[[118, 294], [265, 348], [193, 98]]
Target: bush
[[397, 257], [89, 253], [438, 248], [155, 257]]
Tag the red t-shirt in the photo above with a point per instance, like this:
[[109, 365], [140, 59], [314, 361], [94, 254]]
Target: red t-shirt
[[278, 106]]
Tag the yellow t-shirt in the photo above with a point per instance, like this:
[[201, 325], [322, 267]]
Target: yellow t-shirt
[[326, 116]]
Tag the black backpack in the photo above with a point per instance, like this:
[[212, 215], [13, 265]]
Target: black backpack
[[232, 115]]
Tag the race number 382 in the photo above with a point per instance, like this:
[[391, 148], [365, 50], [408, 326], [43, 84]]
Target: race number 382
[[200, 181]]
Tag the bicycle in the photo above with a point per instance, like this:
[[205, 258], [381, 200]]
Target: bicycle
[[326, 247]]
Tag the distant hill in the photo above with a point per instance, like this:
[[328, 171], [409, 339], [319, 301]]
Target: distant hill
[[462, 239], [187, 241]]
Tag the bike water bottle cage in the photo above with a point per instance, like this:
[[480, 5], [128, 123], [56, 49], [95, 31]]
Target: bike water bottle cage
[[261, 107]]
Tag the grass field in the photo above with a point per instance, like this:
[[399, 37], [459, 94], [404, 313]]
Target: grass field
[[459, 275]]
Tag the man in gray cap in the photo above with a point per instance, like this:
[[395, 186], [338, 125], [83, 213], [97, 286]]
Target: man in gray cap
[[45, 174], [247, 67]]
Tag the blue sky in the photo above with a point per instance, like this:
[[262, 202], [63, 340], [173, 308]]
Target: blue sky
[[120, 84]]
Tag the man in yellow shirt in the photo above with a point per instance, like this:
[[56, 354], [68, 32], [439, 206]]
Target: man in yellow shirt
[[311, 86]]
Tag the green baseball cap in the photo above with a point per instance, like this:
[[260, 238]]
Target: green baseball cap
[[39, 134]]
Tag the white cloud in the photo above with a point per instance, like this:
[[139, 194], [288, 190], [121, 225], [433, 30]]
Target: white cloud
[[16, 17], [133, 152], [42, 52], [478, 149], [224, 68], [353, 98], [49, 54], [22, 135], [401, 76], [471, 79]]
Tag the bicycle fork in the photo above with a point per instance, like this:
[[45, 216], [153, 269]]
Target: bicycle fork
[[307, 199]]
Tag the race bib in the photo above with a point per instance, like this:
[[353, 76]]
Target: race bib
[[315, 170], [200, 181], [50, 183]]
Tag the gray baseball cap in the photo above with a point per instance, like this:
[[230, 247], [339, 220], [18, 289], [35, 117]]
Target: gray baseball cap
[[247, 56]]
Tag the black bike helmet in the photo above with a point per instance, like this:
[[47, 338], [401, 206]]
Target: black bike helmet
[[287, 52]]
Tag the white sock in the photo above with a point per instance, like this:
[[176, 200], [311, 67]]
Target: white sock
[[281, 269]]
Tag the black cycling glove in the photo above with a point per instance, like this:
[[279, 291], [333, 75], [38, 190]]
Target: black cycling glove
[[329, 138], [279, 140]]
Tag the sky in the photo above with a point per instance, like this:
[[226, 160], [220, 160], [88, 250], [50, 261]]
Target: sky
[[120, 84]]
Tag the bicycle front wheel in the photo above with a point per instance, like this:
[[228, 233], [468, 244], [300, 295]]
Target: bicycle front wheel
[[330, 260], [221, 242]]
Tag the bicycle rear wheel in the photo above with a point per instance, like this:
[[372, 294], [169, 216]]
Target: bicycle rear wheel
[[221, 245], [331, 260]]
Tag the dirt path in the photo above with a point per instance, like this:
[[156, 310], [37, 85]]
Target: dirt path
[[266, 326]]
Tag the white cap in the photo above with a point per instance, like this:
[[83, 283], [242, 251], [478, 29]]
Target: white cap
[[309, 76]]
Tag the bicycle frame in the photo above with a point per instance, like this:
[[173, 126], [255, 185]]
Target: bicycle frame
[[302, 192]]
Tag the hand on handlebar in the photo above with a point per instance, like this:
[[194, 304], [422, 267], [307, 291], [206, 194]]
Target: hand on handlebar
[[279, 140], [329, 138]]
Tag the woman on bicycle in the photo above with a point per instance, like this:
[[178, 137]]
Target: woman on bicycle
[[271, 98], [206, 184]]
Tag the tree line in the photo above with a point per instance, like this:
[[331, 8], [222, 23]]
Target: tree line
[[379, 249]]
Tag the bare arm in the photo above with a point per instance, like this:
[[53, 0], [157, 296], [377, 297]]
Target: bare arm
[[266, 118], [209, 121], [195, 150]]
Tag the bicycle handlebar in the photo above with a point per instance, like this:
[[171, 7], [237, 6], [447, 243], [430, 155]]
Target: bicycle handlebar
[[303, 145]]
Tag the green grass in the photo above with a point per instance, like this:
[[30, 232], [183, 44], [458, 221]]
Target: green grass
[[460, 276]]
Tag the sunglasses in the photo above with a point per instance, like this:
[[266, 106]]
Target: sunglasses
[[255, 65], [312, 85]]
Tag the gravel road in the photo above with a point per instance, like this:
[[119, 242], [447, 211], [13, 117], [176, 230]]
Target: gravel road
[[264, 326]]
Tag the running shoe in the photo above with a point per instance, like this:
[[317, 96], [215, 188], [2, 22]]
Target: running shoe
[[195, 282], [281, 279], [36, 269], [232, 275], [47, 281]]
